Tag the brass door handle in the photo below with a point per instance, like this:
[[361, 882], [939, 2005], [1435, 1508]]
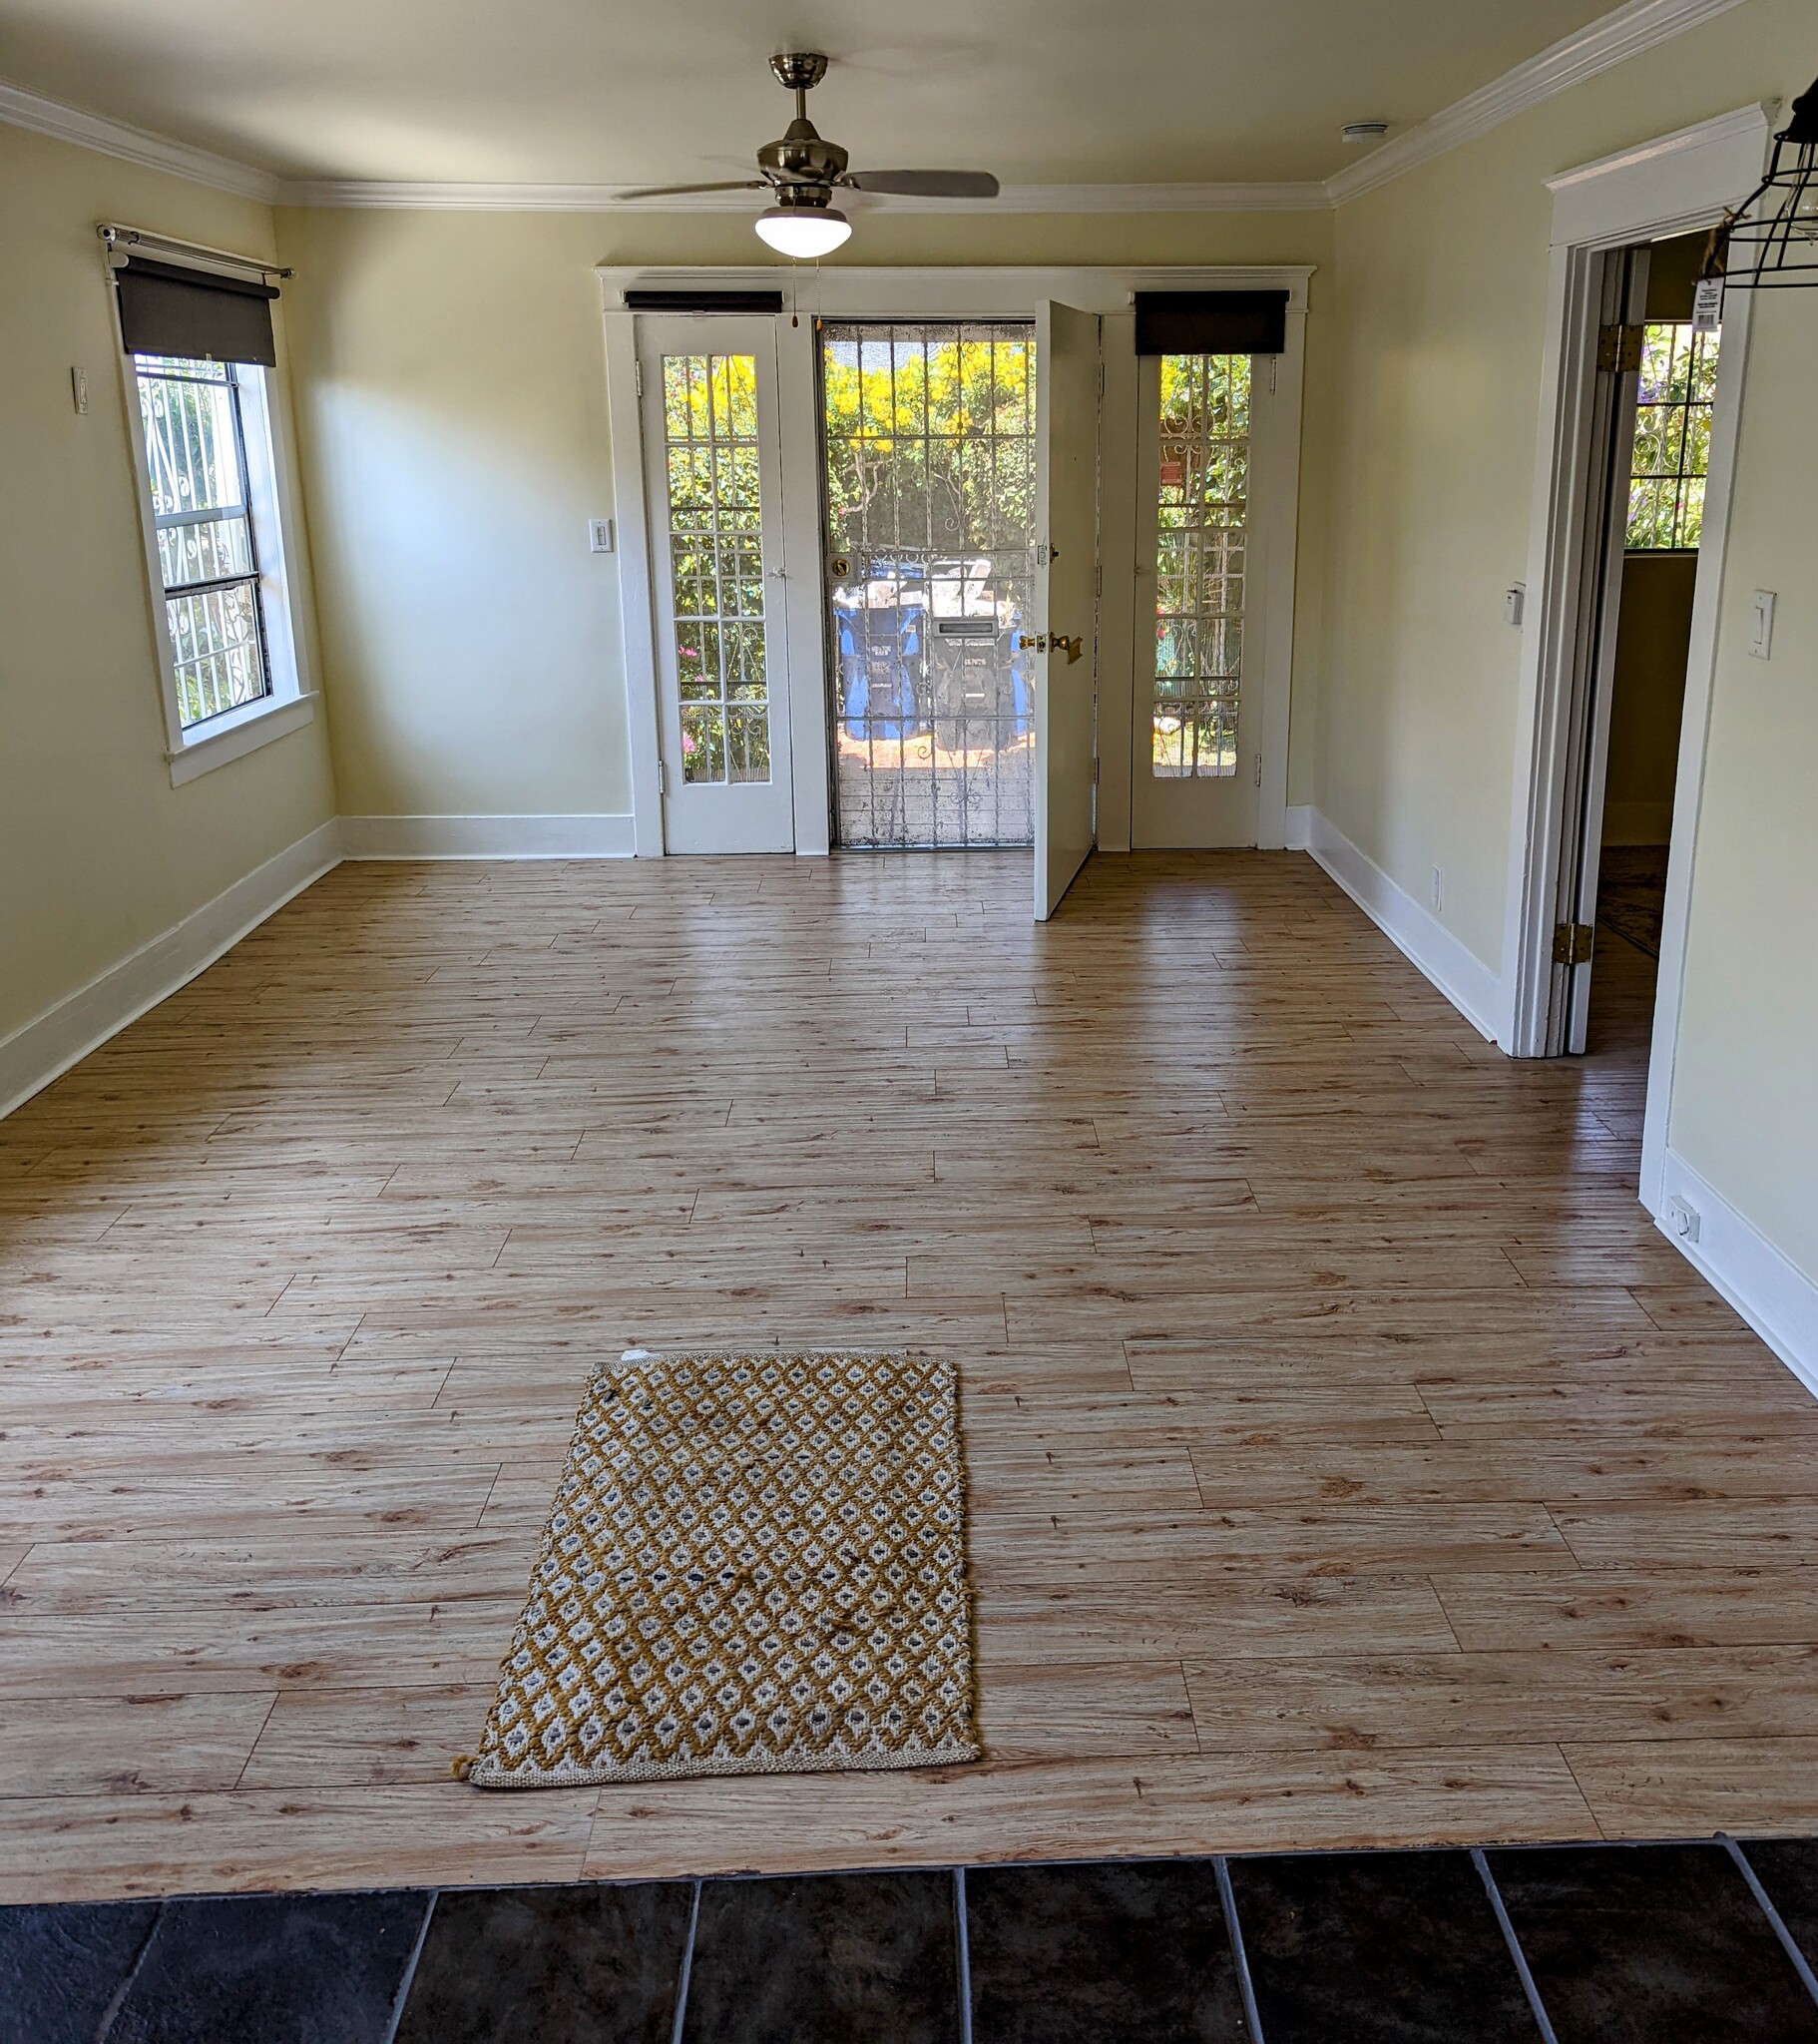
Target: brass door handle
[[1042, 642]]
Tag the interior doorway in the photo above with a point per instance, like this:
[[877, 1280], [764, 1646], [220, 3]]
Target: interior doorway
[[1659, 371]]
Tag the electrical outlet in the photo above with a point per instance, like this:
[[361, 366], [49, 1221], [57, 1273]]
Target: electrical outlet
[[1437, 890], [79, 390], [599, 535], [1761, 624], [1682, 1219]]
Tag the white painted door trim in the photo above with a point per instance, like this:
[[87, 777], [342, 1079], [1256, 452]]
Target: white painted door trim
[[1680, 182], [866, 292]]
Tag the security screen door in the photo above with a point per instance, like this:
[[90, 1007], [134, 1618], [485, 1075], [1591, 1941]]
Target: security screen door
[[1202, 526], [928, 431], [713, 482], [1067, 581]]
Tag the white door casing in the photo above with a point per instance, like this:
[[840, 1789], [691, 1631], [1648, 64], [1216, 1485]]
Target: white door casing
[[1067, 576]]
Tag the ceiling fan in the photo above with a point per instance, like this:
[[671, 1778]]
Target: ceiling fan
[[801, 171]]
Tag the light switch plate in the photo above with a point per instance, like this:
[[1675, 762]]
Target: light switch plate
[[1761, 624], [1515, 603], [79, 390], [599, 535]]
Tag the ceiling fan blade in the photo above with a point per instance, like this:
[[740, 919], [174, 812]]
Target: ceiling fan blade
[[683, 191], [925, 184]]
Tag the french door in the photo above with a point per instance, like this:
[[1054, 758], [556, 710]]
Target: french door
[[713, 487], [1065, 641], [1206, 488]]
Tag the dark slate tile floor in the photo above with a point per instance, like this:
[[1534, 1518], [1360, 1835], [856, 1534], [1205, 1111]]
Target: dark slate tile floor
[[1703, 1940]]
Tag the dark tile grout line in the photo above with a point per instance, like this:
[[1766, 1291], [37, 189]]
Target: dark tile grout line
[[120, 1993], [1765, 1901], [964, 1954], [688, 1963], [1504, 1924], [1228, 1899], [410, 1971]]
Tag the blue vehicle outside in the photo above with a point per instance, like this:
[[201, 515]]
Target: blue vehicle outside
[[883, 650]]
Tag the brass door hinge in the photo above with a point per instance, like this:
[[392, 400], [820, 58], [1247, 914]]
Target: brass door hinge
[[1620, 347], [1571, 944]]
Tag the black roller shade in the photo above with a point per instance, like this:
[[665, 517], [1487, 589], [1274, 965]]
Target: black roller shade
[[1211, 323], [166, 310], [704, 302]]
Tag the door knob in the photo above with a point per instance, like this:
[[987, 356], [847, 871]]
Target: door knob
[[1044, 641]]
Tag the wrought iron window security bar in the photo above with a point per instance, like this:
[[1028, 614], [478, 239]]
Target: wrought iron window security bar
[[1771, 240]]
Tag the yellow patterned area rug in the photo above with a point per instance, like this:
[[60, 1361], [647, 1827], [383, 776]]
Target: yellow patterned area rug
[[756, 1565]]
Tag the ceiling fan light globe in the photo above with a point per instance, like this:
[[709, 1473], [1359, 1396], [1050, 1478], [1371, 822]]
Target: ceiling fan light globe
[[803, 233]]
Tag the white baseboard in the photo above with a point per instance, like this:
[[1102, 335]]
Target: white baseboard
[[1769, 1290], [61, 1035], [598, 837], [1462, 977], [1298, 827]]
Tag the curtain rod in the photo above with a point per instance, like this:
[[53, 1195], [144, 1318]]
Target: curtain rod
[[116, 235]]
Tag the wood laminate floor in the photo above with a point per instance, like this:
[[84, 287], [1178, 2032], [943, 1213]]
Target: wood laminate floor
[[1351, 1461]]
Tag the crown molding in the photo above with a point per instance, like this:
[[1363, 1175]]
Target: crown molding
[[1598, 47], [33, 111], [1309, 197], [1639, 26]]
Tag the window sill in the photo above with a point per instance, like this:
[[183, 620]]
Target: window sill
[[257, 726]]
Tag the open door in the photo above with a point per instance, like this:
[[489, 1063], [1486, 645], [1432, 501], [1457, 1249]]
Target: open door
[[1621, 339], [1065, 640]]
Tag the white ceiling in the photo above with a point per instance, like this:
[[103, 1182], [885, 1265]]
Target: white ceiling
[[1043, 91]]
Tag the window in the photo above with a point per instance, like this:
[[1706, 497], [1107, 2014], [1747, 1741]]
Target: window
[[1672, 438], [1199, 548], [198, 353], [195, 436]]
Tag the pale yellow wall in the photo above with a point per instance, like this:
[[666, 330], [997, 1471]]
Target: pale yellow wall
[[98, 852], [1441, 297], [1745, 1084], [1441, 279], [452, 402]]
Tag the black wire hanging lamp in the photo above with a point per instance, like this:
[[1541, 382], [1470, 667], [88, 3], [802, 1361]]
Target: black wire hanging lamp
[[1771, 238]]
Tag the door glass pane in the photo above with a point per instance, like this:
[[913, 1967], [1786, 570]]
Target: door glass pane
[[709, 417], [1672, 438], [930, 477], [1202, 497]]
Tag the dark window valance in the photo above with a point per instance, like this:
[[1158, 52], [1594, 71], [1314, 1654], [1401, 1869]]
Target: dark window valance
[[704, 302], [1211, 323], [167, 309]]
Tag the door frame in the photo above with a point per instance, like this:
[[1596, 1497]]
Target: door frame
[[913, 293], [1674, 185]]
